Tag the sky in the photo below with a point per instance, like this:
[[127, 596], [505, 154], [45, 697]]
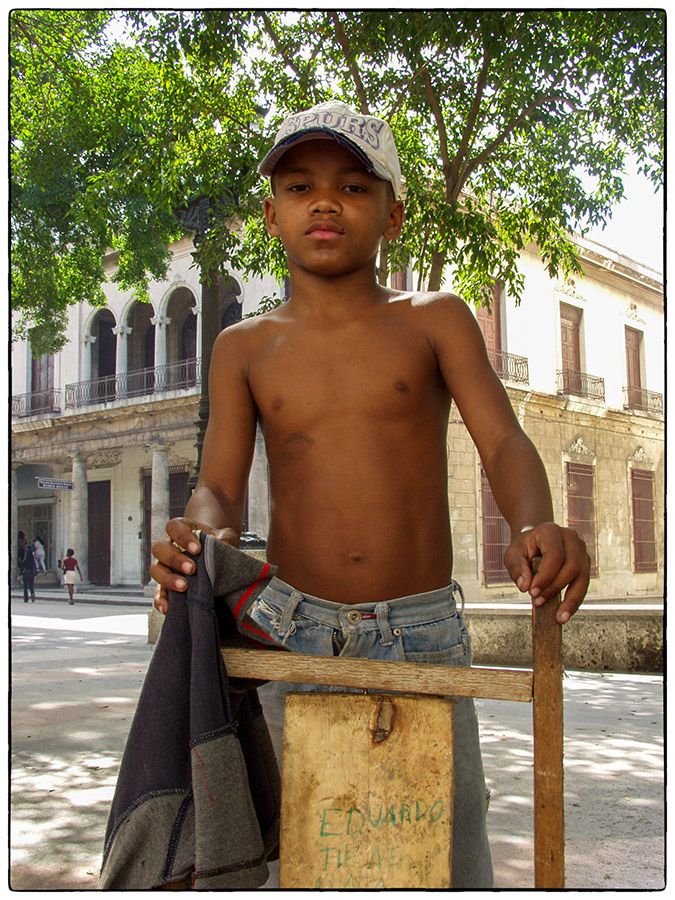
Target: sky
[[636, 226]]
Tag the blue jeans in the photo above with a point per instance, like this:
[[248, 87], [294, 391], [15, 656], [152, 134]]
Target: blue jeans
[[423, 628]]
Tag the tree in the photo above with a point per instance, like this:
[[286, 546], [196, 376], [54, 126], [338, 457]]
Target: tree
[[497, 116], [108, 141]]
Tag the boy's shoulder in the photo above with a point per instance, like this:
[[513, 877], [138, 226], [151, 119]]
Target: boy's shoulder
[[427, 300], [249, 328], [439, 308]]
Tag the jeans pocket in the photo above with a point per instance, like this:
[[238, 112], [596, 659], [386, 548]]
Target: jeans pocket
[[267, 615], [444, 642], [300, 634]]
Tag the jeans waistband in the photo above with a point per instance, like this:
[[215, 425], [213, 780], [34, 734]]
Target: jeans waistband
[[415, 609]]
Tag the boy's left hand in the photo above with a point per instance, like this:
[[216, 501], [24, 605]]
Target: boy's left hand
[[564, 563]]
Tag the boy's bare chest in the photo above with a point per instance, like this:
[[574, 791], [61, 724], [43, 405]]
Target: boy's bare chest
[[382, 374]]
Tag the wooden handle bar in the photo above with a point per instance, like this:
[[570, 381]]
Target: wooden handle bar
[[417, 678]]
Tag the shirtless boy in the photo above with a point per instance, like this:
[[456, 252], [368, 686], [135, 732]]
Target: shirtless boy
[[352, 383]]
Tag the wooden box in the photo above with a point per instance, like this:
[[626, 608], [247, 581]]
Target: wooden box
[[367, 792]]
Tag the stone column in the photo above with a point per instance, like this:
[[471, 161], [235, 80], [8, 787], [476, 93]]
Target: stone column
[[159, 512], [88, 342], [161, 324], [197, 312], [122, 344], [258, 490], [78, 535]]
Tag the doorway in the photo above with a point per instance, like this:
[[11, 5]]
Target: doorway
[[98, 501]]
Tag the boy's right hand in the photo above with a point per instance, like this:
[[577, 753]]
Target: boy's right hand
[[170, 562]]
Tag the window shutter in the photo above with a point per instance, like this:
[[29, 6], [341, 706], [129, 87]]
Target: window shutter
[[633, 367], [496, 536], [581, 507], [644, 532], [570, 340]]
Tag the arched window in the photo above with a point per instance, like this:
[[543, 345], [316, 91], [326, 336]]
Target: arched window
[[104, 357]]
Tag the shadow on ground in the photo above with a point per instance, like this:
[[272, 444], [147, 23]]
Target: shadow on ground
[[73, 698]]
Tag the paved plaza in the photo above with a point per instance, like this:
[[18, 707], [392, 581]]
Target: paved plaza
[[76, 675]]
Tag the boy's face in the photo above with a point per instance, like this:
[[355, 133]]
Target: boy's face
[[328, 210]]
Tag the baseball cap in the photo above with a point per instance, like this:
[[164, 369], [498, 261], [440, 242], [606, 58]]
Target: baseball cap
[[367, 137]]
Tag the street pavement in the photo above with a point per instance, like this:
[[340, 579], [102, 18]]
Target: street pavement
[[76, 675]]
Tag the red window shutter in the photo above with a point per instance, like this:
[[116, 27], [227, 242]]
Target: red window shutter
[[633, 377], [633, 358], [496, 536], [644, 531], [581, 507], [399, 280], [570, 341], [489, 321]]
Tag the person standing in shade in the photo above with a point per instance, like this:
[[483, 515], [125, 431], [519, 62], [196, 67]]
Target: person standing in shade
[[70, 565], [28, 569], [352, 384]]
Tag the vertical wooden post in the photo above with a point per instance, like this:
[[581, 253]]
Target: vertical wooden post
[[547, 727]]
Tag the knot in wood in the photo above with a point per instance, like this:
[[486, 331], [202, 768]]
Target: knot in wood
[[382, 721]]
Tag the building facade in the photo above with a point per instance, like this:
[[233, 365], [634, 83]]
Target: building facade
[[104, 434], [583, 365]]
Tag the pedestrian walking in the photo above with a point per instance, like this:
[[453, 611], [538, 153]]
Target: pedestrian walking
[[28, 569], [69, 566], [39, 553], [21, 551]]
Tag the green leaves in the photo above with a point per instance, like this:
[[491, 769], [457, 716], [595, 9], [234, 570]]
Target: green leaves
[[503, 120]]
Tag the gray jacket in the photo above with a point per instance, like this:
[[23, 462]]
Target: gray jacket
[[198, 792]]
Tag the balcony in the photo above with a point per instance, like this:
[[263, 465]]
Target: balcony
[[510, 367], [639, 400], [127, 385], [37, 403], [580, 384]]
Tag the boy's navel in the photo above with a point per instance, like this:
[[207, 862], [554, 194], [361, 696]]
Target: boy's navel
[[356, 556], [402, 387]]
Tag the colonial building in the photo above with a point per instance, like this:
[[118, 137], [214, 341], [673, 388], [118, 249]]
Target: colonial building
[[583, 365], [104, 434]]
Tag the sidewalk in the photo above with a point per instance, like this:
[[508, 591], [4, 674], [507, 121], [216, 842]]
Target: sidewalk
[[103, 596], [77, 672]]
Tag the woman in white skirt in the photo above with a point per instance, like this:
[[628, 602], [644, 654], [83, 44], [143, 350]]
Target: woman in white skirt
[[70, 565]]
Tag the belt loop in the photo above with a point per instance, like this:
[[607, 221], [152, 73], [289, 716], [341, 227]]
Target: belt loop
[[382, 614], [286, 620], [456, 587]]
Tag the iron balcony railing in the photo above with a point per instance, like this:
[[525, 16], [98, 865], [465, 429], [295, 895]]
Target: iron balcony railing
[[36, 403], [510, 367], [581, 384], [642, 401], [144, 382]]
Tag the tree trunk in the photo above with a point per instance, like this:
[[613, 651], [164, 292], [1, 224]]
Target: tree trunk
[[436, 271], [383, 262]]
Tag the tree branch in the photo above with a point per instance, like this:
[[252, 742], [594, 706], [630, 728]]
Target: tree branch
[[487, 151], [364, 106], [522, 117], [269, 28], [32, 45], [435, 105], [453, 178], [404, 89]]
